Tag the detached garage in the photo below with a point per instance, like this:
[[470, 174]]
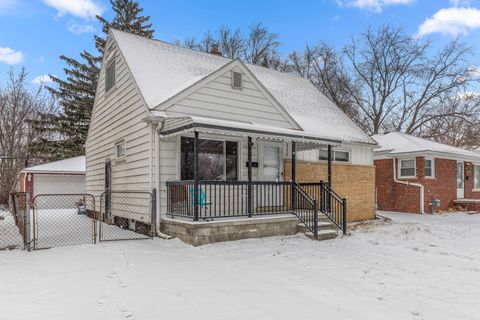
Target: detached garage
[[65, 176]]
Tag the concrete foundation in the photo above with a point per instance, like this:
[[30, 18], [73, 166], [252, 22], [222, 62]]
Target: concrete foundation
[[205, 232]]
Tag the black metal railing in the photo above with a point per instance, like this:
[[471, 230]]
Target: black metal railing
[[306, 209], [333, 206], [217, 199], [222, 199]]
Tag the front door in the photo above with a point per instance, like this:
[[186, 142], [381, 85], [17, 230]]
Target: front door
[[460, 181], [270, 161]]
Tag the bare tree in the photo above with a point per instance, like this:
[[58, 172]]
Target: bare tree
[[231, 42], [18, 104], [322, 65], [397, 84], [261, 46], [459, 130]]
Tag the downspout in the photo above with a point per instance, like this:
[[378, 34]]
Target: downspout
[[407, 183], [159, 128]]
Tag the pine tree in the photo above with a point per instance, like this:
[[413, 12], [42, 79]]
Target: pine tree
[[76, 93], [127, 18]]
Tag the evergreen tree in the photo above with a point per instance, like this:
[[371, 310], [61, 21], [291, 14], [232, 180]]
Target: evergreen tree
[[127, 18], [76, 93]]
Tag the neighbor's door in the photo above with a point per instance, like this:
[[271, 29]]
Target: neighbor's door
[[270, 164], [460, 181]]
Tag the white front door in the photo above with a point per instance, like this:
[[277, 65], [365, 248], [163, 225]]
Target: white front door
[[270, 164], [460, 181]]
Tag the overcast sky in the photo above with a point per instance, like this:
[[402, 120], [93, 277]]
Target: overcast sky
[[33, 33]]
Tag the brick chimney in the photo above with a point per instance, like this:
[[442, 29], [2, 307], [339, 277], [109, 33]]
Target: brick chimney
[[216, 50]]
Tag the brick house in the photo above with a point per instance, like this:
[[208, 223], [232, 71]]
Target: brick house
[[420, 176]]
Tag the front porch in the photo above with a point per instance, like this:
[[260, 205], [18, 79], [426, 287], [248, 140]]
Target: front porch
[[207, 152]]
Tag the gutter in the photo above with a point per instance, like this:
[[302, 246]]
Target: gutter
[[407, 183]]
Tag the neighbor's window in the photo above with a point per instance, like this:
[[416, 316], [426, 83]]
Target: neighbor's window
[[476, 177], [429, 168], [120, 149], [110, 76], [407, 168], [337, 155], [217, 159]]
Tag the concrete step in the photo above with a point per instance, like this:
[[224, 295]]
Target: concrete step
[[323, 235], [322, 225]]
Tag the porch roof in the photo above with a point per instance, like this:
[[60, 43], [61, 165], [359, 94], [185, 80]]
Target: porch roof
[[174, 126]]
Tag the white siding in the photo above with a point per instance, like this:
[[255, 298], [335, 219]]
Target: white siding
[[359, 155], [117, 115], [217, 99]]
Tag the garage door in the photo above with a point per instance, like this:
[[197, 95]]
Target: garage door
[[57, 183]]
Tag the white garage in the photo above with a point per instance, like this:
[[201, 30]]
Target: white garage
[[60, 177]]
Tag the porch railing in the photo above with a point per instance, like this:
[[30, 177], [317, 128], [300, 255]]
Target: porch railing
[[223, 199], [217, 199], [331, 204]]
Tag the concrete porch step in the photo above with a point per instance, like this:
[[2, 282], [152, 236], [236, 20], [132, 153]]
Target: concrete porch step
[[323, 234], [322, 225]]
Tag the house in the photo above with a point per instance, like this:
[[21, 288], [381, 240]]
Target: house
[[58, 177], [418, 175], [214, 138]]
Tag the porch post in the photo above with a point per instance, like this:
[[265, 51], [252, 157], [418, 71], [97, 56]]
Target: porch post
[[329, 197], [249, 194], [329, 166], [195, 176], [294, 174]]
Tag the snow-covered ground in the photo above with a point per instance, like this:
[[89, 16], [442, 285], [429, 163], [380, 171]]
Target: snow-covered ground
[[414, 267]]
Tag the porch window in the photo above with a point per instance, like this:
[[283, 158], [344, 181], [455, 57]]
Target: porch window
[[337, 155], [476, 177], [217, 159], [429, 168], [407, 168]]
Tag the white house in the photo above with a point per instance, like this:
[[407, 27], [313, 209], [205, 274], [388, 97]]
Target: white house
[[177, 120]]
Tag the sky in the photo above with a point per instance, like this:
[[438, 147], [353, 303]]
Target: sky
[[34, 33]]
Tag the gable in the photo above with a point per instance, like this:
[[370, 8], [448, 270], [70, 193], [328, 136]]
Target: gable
[[216, 98]]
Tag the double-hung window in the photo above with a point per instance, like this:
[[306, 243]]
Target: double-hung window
[[407, 168], [476, 177], [217, 159], [429, 168], [120, 149]]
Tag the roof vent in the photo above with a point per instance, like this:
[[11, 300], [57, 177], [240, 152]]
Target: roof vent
[[216, 50], [236, 80]]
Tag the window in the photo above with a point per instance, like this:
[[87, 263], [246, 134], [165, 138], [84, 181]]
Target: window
[[236, 80], [476, 177], [407, 168], [337, 155], [110, 76], [120, 149], [217, 160], [429, 168]]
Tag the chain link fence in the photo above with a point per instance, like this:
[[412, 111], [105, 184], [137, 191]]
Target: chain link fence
[[56, 220], [15, 223], [126, 215], [63, 220]]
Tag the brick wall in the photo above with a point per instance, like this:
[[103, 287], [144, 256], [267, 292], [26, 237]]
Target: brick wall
[[354, 182], [399, 197]]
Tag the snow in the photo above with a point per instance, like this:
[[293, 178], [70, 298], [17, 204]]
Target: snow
[[162, 70], [70, 165], [10, 238], [414, 267], [400, 143]]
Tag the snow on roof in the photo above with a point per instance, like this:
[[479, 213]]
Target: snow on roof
[[70, 165], [162, 70], [395, 143]]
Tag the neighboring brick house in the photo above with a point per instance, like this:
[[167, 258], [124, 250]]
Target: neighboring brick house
[[412, 173]]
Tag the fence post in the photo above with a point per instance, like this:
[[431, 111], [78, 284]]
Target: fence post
[[344, 216], [153, 219], [315, 219], [26, 219], [322, 197]]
